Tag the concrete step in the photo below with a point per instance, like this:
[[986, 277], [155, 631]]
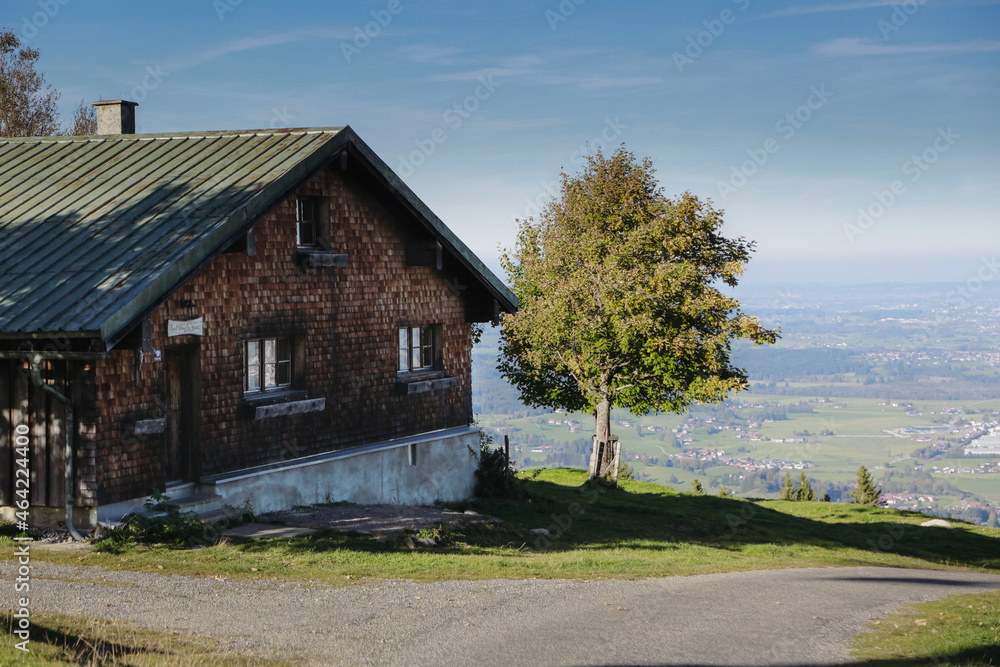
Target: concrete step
[[220, 515], [199, 503]]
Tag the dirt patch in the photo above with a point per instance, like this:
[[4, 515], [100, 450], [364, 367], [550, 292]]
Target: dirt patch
[[378, 520]]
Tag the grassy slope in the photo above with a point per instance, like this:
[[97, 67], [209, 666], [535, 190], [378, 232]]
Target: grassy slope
[[956, 630], [65, 640], [640, 530]]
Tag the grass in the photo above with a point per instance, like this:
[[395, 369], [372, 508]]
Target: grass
[[956, 630], [56, 639], [640, 530]]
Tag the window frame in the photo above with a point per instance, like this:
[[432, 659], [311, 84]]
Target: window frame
[[421, 342], [283, 363], [306, 207]]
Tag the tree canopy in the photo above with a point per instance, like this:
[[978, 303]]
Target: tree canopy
[[619, 298], [27, 104]]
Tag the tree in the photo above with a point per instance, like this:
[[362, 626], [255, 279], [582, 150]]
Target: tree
[[867, 492], [27, 104], [618, 299], [788, 488], [84, 120], [697, 487], [804, 492]]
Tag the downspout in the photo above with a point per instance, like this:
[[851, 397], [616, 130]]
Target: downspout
[[36, 379]]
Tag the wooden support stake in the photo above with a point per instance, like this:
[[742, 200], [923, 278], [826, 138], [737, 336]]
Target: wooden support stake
[[593, 458], [506, 462], [616, 461]]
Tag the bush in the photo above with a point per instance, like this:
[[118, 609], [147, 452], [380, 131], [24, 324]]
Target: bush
[[173, 528], [494, 475]]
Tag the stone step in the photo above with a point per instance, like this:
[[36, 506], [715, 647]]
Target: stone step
[[199, 503], [220, 515]]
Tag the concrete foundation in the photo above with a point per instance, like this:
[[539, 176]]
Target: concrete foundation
[[84, 518], [417, 470]]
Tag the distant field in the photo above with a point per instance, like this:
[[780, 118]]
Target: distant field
[[858, 427], [982, 485]]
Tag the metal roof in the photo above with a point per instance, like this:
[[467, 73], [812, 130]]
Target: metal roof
[[94, 230]]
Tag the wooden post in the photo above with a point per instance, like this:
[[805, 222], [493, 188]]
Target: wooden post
[[506, 462], [593, 458], [616, 460]]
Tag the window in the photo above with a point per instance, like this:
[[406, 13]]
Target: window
[[419, 348], [307, 217], [268, 364]]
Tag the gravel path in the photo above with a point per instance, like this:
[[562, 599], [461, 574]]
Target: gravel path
[[777, 617]]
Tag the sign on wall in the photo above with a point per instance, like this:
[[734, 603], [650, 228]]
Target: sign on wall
[[186, 328]]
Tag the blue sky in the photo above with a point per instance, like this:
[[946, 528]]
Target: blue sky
[[854, 140]]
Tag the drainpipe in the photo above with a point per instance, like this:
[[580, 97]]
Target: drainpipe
[[36, 379]]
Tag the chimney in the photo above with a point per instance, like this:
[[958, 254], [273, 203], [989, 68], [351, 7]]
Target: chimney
[[115, 117]]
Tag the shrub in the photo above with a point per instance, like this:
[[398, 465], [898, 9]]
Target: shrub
[[494, 476], [172, 528]]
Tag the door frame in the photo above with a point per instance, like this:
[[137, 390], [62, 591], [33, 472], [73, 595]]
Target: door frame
[[182, 442]]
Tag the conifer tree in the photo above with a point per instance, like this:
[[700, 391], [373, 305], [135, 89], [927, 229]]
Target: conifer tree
[[867, 492], [788, 488], [805, 491]]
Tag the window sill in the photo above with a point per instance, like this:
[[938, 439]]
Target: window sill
[[285, 403], [274, 396], [319, 258], [423, 382]]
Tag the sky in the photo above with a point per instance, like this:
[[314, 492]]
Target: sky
[[853, 140]]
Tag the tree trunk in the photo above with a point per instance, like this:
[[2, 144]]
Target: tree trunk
[[603, 450]]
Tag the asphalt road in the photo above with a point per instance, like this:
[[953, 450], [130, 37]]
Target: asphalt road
[[776, 617]]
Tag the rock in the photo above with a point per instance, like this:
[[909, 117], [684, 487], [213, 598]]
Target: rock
[[941, 523], [426, 542], [455, 525], [100, 532], [471, 513], [495, 521], [410, 543], [538, 531]]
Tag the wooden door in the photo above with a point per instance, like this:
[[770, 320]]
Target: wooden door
[[183, 461], [44, 418]]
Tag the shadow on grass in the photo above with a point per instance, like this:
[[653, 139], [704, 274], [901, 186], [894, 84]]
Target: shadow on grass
[[648, 517], [76, 648], [987, 655]]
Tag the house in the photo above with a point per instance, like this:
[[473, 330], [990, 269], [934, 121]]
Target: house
[[262, 316]]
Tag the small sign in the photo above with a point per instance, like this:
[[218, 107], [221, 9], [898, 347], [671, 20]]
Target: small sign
[[186, 328], [157, 355]]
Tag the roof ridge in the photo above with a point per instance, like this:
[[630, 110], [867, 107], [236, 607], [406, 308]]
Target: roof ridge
[[65, 139]]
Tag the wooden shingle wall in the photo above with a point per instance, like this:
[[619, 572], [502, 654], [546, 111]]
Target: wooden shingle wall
[[347, 317]]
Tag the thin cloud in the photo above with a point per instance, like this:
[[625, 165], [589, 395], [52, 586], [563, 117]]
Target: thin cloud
[[842, 7], [431, 54], [260, 42], [600, 82], [854, 46], [861, 5], [475, 75]]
